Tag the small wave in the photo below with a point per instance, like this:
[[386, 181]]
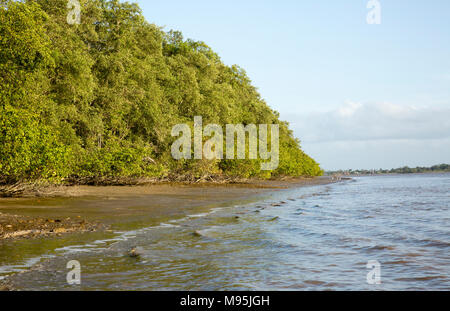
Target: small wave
[[421, 279], [75, 249], [198, 215], [6, 271], [397, 262], [435, 243], [376, 248]]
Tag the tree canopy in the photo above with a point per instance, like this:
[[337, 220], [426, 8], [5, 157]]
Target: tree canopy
[[99, 99]]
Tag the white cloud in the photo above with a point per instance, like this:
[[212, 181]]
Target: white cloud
[[349, 110], [373, 121]]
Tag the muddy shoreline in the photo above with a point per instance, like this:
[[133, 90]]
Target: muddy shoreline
[[25, 227], [119, 205], [22, 226], [24, 190]]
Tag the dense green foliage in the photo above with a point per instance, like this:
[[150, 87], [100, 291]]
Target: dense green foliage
[[402, 170], [99, 99]]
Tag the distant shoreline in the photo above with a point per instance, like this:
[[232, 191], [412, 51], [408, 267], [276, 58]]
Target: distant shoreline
[[350, 176], [436, 169]]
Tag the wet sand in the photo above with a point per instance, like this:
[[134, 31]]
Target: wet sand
[[25, 227], [47, 213]]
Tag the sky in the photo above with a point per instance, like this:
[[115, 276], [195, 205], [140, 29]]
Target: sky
[[357, 95]]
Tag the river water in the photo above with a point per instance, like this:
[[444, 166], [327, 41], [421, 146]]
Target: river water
[[310, 238]]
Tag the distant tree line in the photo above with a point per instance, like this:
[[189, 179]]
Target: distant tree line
[[403, 170], [98, 100]]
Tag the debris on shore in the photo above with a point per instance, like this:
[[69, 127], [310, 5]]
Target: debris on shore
[[23, 227]]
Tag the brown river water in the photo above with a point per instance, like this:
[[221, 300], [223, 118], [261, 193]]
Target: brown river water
[[307, 238]]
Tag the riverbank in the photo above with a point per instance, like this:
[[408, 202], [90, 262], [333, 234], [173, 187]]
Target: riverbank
[[138, 186], [18, 222], [84, 215]]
